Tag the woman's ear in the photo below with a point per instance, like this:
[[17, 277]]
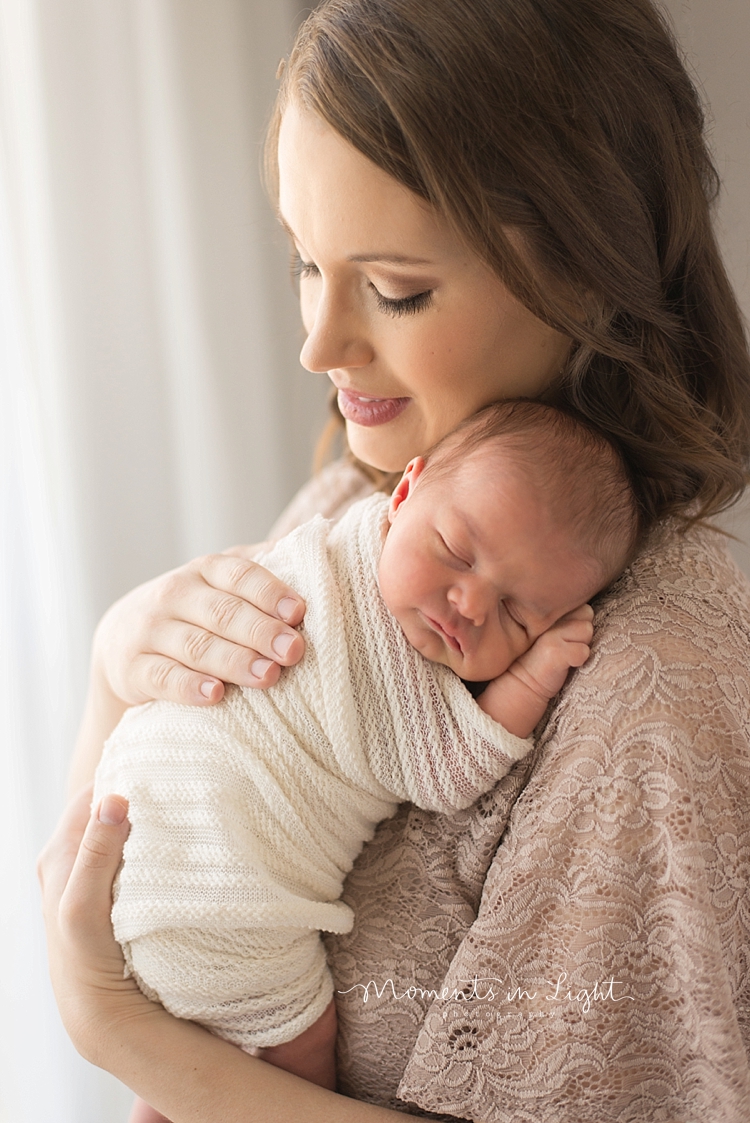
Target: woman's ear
[[405, 485]]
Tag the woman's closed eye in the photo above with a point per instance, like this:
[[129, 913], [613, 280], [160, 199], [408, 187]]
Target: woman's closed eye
[[392, 306], [303, 269], [403, 306]]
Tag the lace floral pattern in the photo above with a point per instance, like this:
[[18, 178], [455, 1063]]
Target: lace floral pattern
[[578, 939]]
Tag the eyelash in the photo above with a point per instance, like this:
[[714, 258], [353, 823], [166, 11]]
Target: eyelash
[[302, 268], [463, 561], [514, 618], [452, 553], [406, 306]]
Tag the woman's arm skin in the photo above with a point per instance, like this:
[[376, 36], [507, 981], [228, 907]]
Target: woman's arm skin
[[182, 1070], [180, 637]]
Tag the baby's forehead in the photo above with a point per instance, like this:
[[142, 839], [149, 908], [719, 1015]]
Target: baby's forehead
[[492, 498], [532, 457], [495, 498], [488, 475]]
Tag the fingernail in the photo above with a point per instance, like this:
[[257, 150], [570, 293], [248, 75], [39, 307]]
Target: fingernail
[[207, 688], [112, 811], [260, 666], [286, 608], [282, 644]]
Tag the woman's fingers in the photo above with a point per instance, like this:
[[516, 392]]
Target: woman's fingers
[[78, 865], [237, 620], [231, 601], [76, 871], [58, 857], [87, 899], [181, 636], [158, 676], [247, 581]]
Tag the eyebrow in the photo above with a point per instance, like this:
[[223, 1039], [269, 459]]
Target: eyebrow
[[389, 259], [370, 258]]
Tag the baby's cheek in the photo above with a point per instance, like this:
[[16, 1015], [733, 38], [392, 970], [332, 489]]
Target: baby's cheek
[[425, 641], [499, 650]]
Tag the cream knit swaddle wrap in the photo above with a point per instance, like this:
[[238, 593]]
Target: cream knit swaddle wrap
[[247, 816]]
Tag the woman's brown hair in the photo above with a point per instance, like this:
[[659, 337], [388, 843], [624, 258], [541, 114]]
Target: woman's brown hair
[[574, 122]]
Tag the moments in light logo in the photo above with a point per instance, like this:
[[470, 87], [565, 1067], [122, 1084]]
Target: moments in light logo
[[502, 992]]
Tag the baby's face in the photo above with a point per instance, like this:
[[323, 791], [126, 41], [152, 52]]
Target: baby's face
[[474, 567]]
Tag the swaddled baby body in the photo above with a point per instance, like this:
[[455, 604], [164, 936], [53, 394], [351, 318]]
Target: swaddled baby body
[[247, 816]]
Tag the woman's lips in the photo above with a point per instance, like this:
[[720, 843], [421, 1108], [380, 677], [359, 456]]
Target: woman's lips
[[363, 410]]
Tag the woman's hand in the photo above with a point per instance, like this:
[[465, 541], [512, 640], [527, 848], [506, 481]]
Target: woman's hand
[[181, 636], [76, 870], [183, 1070]]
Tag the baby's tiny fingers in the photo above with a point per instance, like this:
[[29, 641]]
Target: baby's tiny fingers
[[577, 654], [577, 631], [583, 612]]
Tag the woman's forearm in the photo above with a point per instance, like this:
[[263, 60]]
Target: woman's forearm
[[190, 1075], [101, 714]]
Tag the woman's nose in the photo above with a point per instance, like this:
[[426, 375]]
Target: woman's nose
[[469, 599], [336, 338]]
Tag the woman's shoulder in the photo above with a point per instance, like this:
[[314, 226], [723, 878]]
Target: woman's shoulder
[[669, 661], [683, 593], [669, 657], [330, 493]]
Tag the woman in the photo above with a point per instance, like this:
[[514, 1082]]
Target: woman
[[491, 198]]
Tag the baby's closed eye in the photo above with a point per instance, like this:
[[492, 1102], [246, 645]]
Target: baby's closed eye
[[512, 612]]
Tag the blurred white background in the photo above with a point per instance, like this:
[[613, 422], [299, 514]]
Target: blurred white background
[[153, 405]]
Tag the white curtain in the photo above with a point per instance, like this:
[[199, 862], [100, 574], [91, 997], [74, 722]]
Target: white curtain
[[151, 403], [152, 406]]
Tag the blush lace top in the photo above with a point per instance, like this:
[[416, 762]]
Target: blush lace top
[[575, 946]]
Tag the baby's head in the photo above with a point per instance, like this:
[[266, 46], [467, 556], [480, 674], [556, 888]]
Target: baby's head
[[510, 522]]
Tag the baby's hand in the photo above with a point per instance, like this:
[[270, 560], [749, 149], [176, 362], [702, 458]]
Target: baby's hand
[[544, 667], [518, 698]]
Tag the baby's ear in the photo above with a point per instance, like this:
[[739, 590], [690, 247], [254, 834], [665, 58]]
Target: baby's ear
[[405, 485]]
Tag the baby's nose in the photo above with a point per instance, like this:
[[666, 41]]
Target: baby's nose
[[469, 600]]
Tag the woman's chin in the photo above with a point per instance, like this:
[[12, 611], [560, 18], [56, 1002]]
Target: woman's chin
[[373, 445]]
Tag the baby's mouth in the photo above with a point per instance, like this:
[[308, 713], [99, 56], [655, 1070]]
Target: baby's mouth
[[446, 632]]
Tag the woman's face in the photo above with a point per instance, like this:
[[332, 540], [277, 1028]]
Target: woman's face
[[412, 328]]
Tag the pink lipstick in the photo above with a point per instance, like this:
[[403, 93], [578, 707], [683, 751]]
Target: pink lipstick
[[367, 411]]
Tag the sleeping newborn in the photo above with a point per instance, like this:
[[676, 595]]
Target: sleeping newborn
[[247, 816]]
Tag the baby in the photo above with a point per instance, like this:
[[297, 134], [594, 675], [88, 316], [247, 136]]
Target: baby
[[247, 816]]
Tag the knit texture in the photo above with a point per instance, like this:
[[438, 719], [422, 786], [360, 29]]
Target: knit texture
[[247, 816]]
